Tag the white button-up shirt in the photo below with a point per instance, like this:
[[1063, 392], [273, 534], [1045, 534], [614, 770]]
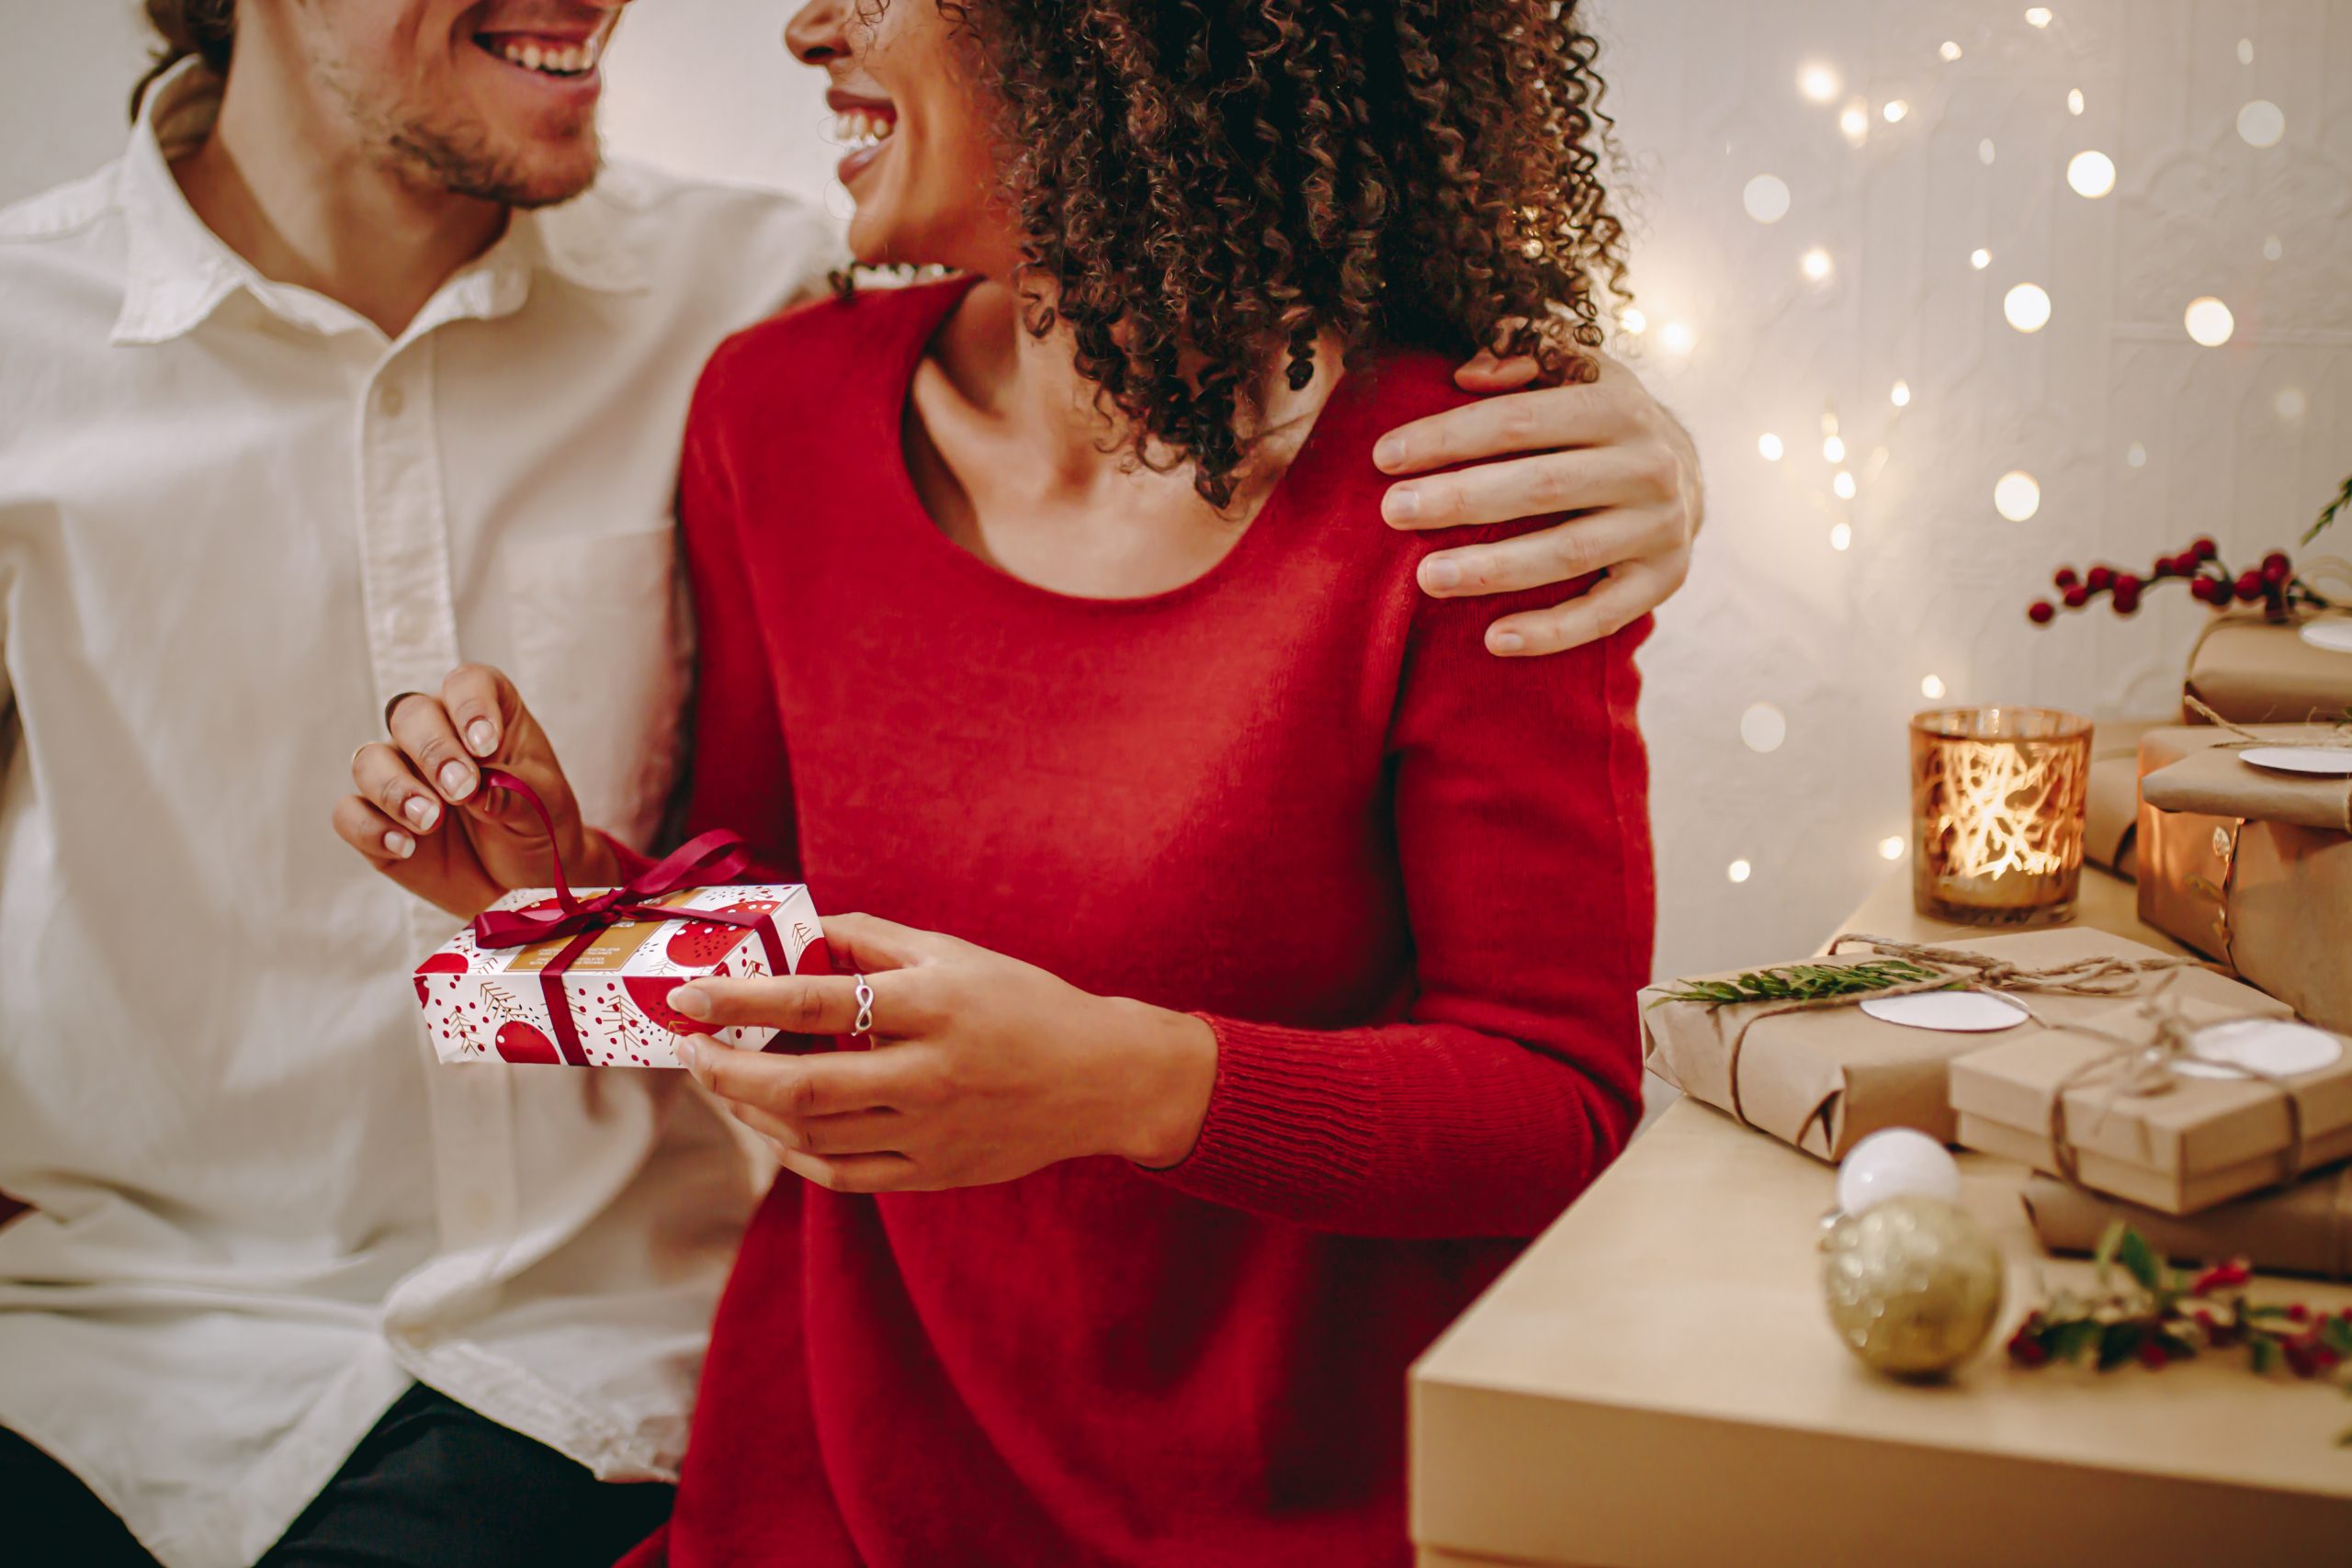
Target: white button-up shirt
[[234, 520]]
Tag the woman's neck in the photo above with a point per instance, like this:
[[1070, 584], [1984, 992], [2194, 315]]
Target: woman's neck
[[1015, 460]]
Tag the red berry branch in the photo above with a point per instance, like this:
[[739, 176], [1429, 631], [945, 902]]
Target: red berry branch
[[2165, 1315], [2274, 584]]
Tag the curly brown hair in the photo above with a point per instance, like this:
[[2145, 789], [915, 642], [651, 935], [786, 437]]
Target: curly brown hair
[[207, 28], [1204, 184]]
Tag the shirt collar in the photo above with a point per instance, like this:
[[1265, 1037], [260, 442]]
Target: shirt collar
[[177, 271]]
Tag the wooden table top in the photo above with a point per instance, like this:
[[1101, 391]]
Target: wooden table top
[[1655, 1380]]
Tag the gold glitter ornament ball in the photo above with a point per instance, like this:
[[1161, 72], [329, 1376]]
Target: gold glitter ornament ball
[[1912, 1286]]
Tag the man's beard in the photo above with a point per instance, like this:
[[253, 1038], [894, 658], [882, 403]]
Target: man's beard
[[462, 162]]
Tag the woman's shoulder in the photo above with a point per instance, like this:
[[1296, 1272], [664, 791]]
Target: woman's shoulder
[[805, 356]]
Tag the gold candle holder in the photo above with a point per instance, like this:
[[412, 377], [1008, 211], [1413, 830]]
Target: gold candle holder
[[1998, 797]]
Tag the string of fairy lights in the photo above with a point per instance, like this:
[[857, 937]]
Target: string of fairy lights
[[2026, 306]]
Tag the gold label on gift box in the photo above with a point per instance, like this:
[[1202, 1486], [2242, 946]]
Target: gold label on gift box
[[613, 948]]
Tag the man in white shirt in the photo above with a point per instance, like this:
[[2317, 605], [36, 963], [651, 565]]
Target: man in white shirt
[[349, 370]]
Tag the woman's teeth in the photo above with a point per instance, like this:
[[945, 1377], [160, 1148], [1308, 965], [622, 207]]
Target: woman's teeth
[[574, 59], [863, 129]]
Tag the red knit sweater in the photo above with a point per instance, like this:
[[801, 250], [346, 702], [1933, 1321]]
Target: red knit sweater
[[1407, 883]]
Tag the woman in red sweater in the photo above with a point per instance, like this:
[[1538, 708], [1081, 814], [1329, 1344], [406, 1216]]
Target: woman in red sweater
[[1260, 953]]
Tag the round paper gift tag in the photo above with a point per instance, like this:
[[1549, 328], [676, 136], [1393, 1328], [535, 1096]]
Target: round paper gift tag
[[1956, 1012], [2335, 636], [2328, 761], [2278, 1047]]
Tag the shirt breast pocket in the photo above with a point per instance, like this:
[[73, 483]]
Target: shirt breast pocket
[[603, 646]]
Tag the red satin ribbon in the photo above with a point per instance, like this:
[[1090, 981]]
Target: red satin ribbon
[[704, 860]]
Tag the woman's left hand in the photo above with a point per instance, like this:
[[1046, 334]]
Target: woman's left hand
[[983, 1068], [1605, 450]]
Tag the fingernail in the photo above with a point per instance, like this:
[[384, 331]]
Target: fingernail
[[1389, 453], [689, 1054], [1403, 505], [455, 779], [1441, 575], [1506, 642], [690, 1001], [421, 810], [481, 738], [399, 845]]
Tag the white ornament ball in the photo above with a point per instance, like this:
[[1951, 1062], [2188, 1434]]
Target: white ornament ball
[[1897, 1162]]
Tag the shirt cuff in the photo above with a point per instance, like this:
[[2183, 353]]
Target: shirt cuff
[[1291, 1122]]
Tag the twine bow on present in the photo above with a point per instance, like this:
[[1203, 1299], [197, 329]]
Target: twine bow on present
[[2151, 1066], [1950, 968], [705, 860]]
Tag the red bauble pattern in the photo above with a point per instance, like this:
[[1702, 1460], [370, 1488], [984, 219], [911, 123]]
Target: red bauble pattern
[[705, 942]]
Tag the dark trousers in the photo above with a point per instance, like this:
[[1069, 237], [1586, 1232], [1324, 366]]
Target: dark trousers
[[434, 1486]]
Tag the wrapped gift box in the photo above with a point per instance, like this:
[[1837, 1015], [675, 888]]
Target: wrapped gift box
[[1824, 1078], [2251, 868], [2184, 1146], [2305, 1228], [608, 1005], [2111, 824], [2251, 669]]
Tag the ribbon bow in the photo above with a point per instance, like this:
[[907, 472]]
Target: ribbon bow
[[701, 861]]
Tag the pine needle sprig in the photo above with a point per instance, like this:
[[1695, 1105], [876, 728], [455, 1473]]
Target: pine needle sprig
[[2335, 508], [1807, 983]]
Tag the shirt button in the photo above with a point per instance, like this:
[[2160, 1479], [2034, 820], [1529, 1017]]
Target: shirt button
[[391, 402]]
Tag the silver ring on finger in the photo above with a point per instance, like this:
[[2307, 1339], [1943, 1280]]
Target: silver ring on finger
[[865, 1024]]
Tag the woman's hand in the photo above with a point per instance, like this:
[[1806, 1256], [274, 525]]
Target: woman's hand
[[422, 817], [1604, 450], [983, 1068]]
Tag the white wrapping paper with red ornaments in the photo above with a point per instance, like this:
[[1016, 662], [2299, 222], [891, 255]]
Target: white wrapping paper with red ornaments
[[584, 978], [501, 1004]]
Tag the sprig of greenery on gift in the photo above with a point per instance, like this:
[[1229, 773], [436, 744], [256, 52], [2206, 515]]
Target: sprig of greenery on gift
[[2149, 1312], [1804, 982], [2329, 513]]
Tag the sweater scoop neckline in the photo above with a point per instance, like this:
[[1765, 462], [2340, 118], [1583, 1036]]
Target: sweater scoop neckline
[[894, 405]]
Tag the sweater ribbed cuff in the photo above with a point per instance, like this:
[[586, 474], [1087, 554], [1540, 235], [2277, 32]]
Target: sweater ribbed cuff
[[1291, 1123]]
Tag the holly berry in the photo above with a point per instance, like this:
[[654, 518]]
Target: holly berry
[[2275, 569], [2250, 586], [2066, 578], [2127, 595], [2151, 1353], [2078, 596], [523, 1043], [2100, 579], [2205, 549], [705, 942], [2041, 612]]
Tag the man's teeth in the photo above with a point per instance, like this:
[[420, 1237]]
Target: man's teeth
[[861, 128], [571, 60]]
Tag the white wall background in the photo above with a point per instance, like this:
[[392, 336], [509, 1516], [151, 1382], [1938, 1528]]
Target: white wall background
[[2242, 442]]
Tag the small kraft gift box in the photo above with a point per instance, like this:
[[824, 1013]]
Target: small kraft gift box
[[2250, 668], [2249, 865], [584, 978], [2192, 1091]]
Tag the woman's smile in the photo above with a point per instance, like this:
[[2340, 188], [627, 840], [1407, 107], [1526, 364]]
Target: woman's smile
[[862, 123]]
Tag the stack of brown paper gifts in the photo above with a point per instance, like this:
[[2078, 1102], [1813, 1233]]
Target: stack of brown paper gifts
[[2245, 855], [2099, 1062], [2245, 669]]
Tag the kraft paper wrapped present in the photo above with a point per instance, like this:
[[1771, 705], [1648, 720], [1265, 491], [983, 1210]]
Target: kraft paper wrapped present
[[2250, 867], [1826, 1079], [584, 978], [2111, 823], [2150, 1129], [2251, 669], [2305, 1228]]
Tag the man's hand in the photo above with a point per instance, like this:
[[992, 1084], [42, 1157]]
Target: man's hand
[[983, 1068], [1604, 451], [422, 818]]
